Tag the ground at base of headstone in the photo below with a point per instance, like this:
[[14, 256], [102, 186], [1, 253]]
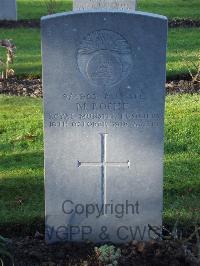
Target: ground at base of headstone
[[33, 87], [35, 252], [32, 23]]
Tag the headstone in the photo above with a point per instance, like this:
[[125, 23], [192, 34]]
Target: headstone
[[104, 96], [80, 5], [8, 10]]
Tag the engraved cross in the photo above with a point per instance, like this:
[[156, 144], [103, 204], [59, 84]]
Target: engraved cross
[[104, 164]]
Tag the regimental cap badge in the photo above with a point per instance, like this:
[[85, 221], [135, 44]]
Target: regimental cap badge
[[104, 58]]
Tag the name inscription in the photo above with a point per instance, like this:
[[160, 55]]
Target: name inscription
[[110, 110]]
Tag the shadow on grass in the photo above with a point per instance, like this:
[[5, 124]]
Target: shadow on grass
[[174, 147], [181, 190], [22, 161], [22, 191], [181, 175]]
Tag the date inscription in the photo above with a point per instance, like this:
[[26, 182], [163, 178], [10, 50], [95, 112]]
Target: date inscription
[[107, 110], [99, 120]]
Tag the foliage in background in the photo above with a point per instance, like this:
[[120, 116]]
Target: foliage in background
[[52, 6], [9, 59]]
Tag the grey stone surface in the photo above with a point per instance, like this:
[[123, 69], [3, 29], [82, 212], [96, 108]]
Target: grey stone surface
[[104, 4], [8, 10], [104, 95]]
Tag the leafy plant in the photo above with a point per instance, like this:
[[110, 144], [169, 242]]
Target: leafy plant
[[51, 6], [5, 254], [10, 54], [108, 255]]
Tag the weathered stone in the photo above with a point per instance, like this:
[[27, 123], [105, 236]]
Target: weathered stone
[[104, 95]]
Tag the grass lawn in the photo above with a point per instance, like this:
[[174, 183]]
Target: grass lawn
[[182, 158], [21, 159], [183, 45], [172, 8], [35, 9], [28, 54]]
